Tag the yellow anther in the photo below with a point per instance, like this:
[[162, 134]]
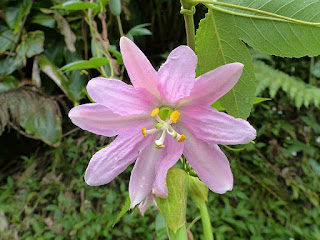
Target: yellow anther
[[154, 112], [214, 134], [175, 115], [160, 146], [182, 138], [144, 132]]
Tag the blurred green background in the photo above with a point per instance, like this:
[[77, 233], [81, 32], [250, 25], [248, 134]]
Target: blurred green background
[[44, 54]]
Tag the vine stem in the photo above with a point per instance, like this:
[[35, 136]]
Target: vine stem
[[188, 10], [205, 219]]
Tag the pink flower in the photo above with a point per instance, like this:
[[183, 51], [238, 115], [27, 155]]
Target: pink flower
[[163, 115]]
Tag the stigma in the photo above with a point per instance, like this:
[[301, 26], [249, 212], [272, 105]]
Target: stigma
[[165, 117]]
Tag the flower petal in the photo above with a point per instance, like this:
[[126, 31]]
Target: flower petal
[[212, 85], [143, 206], [209, 162], [214, 127], [100, 120], [120, 97], [109, 162], [140, 70], [177, 74], [143, 174], [173, 152]]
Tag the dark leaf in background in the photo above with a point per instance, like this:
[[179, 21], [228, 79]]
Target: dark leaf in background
[[7, 83], [36, 115]]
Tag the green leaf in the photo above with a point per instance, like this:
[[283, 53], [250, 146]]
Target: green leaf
[[8, 66], [173, 208], [315, 166], [15, 14], [198, 191], [139, 30], [116, 54], [260, 100], [94, 62], [123, 211], [216, 45], [274, 34], [115, 7], [33, 43], [37, 115], [56, 75], [8, 82], [6, 40], [44, 20], [297, 89], [76, 5], [217, 105]]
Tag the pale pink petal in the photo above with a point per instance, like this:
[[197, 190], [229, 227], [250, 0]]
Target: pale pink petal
[[120, 97], [209, 162], [143, 206], [212, 85], [143, 174], [214, 127], [177, 74], [140, 70], [173, 152], [100, 120], [109, 162]]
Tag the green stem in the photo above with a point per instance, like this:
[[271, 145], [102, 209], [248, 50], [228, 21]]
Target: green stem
[[180, 235], [120, 25], [205, 219], [188, 11]]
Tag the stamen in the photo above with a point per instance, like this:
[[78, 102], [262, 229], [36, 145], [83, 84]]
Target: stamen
[[147, 132], [144, 132], [154, 112], [160, 141], [165, 116], [172, 132], [181, 138], [174, 116], [160, 147]]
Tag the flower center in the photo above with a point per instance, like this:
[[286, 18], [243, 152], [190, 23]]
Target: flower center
[[165, 117]]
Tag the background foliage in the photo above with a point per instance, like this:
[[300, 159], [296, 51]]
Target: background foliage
[[47, 55]]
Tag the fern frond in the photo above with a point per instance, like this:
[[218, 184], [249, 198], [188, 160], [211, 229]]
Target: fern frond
[[299, 91]]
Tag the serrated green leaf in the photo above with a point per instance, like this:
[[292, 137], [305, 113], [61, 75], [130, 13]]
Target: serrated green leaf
[[216, 45], [115, 7], [173, 208], [123, 211], [94, 62], [76, 5], [273, 35]]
